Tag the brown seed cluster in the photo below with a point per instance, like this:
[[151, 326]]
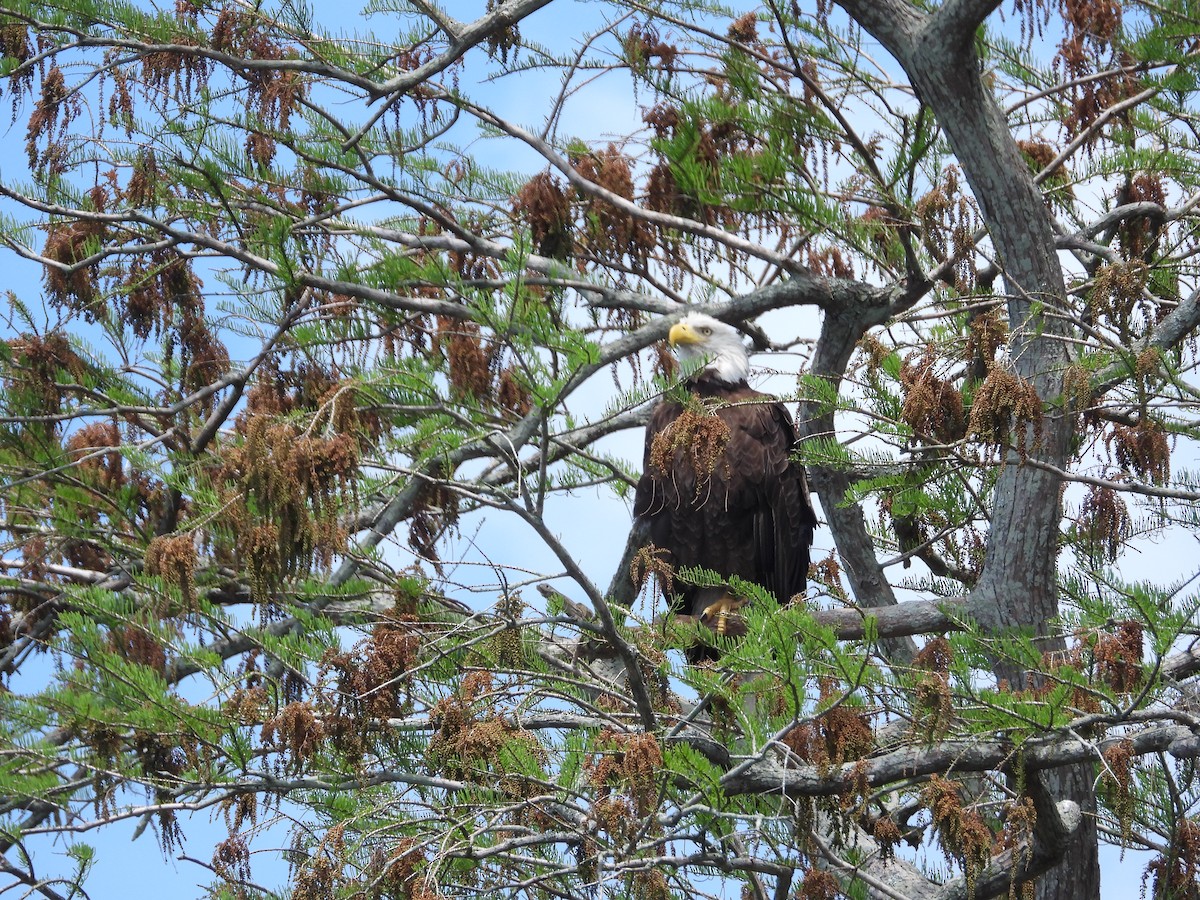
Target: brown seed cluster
[[434, 510], [69, 245], [987, 332], [543, 203], [502, 41], [1142, 449], [1116, 781], [626, 766], [273, 95], [694, 443], [285, 487], [819, 884], [828, 572], [1118, 299], [173, 558], [476, 370], [1138, 234], [962, 832], [1176, 873], [105, 470], [1104, 523], [137, 645], [652, 560], [838, 735], [1119, 657], [399, 872], [55, 110], [933, 703], [888, 835], [933, 406], [295, 731], [612, 233], [1017, 834], [949, 221], [470, 738], [372, 678], [643, 43], [1040, 155], [1007, 412], [1087, 49]]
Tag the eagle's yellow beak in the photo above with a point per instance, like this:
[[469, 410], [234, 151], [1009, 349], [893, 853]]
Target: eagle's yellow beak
[[682, 333]]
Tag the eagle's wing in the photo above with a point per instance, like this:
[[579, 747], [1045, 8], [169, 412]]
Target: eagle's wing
[[784, 519]]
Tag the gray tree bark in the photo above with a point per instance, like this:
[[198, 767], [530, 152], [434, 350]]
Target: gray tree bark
[[1019, 582]]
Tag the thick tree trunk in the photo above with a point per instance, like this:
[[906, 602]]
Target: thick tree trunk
[[1019, 582]]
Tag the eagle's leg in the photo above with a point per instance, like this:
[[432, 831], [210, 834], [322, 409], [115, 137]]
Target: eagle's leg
[[717, 615]]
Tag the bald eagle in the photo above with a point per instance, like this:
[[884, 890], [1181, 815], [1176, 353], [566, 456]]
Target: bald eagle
[[719, 489]]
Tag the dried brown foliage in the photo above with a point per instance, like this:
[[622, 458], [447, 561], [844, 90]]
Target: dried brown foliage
[[838, 735], [949, 221], [544, 204], [961, 831], [828, 572], [1119, 657], [933, 406], [434, 510], [173, 558], [1175, 875], [137, 645], [1138, 234], [1040, 155], [470, 739], [643, 43], [1119, 298], [987, 332], [887, 835], [105, 470], [653, 560], [612, 233], [75, 285], [1105, 523], [40, 362], [1142, 449], [933, 703], [56, 108], [295, 731], [373, 678], [630, 763], [1017, 835], [231, 859], [286, 488], [1006, 412], [819, 884], [1086, 48], [696, 439]]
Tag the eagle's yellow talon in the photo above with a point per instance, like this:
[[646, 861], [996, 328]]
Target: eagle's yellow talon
[[721, 611]]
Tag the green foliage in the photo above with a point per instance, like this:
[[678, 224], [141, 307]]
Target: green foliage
[[315, 348]]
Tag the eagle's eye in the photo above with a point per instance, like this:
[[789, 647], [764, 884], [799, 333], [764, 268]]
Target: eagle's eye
[[705, 330]]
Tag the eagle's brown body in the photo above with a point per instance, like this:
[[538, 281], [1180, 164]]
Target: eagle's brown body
[[750, 517]]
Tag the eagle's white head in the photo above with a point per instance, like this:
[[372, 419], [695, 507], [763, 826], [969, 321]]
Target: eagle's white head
[[697, 336]]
